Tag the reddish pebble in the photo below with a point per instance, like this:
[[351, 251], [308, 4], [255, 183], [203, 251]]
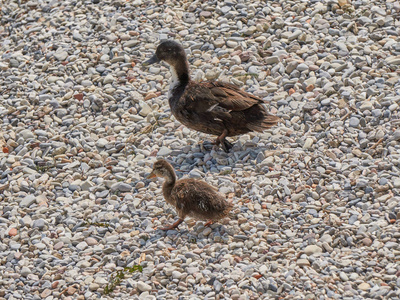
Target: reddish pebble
[[367, 241], [13, 232], [150, 96], [71, 290], [310, 87], [78, 96]]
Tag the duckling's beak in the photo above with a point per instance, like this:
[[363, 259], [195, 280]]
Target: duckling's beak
[[151, 61], [152, 175]]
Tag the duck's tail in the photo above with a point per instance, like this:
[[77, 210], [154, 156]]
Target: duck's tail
[[267, 122]]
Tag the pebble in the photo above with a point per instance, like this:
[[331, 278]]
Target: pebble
[[27, 201], [364, 286], [354, 122], [143, 287], [164, 151], [312, 249], [25, 271]]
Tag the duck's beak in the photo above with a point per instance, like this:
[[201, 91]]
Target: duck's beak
[[154, 59], [152, 175]]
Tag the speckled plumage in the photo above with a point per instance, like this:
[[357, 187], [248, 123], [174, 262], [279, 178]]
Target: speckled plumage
[[212, 107], [191, 197]]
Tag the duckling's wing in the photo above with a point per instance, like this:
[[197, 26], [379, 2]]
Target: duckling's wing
[[197, 197]]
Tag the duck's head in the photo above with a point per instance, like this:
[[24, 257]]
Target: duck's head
[[162, 168], [169, 51]]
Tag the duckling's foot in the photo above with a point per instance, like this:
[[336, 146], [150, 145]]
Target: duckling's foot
[[209, 223], [172, 226]]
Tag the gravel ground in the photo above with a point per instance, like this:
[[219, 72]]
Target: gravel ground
[[316, 198]]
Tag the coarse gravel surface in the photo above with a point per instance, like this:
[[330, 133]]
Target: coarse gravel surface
[[316, 198]]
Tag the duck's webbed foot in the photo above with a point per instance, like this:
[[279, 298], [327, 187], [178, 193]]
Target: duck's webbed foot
[[172, 226], [225, 145]]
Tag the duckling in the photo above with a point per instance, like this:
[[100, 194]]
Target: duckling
[[212, 107], [191, 197]]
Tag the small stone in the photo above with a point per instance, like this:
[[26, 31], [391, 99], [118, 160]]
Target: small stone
[[364, 286], [13, 232], [27, 201], [91, 241], [150, 96], [396, 135], [308, 143], [312, 249], [94, 286], [310, 105], [146, 109], [271, 60], [77, 36], [354, 122], [164, 151], [206, 231], [176, 275], [206, 14], [27, 134], [61, 55], [58, 246], [143, 287], [367, 241], [302, 67], [122, 187], [302, 262], [71, 290], [39, 223], [108, 79], [46, 293], [82, 246], [25, 271], [101, 143], [343, 276]]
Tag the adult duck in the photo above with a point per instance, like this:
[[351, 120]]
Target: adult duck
[[212, 107]]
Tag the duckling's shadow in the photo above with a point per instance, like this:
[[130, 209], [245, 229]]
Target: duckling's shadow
[[191, 233]]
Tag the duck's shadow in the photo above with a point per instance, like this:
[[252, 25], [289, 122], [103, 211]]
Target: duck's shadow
[[238, 154]]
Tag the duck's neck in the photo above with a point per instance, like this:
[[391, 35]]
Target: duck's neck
[[179, 80], [168, 185]]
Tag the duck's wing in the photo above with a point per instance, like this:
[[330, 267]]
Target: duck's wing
[[216, 96], [232, 97]]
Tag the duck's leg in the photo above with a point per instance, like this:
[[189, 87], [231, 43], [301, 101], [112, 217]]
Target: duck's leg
[[172, 226], [225, 145]]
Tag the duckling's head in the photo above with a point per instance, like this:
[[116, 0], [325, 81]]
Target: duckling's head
[[169, 51], [162, 168]]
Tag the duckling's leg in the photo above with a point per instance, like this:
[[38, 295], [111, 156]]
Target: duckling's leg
[[173, 226], [210, 222], [225, 145]]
